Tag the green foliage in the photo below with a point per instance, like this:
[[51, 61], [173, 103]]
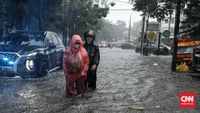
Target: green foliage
[[154, 8], [2, 11], [54, 15], [192, 12], [32, 14], [190, 9], [161, 8], [2, 15], [87, 15]]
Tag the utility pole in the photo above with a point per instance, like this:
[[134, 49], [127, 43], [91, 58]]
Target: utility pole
[[176, 35], [142, 35], [129, 33], [170, 15], [146, 42], [159, 38]]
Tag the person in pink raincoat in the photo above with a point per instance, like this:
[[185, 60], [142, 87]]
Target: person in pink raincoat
[[75, 65]]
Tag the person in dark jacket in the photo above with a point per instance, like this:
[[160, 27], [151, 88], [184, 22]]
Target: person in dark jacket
[[94, 57]]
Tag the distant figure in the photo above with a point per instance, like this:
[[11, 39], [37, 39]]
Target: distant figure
[[75, 64], [94, 56], [165, 51], [110, 45]]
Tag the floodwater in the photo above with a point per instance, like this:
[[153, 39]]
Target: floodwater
[[126, 83]]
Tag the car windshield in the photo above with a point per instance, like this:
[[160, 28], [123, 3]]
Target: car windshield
[[24, 39]]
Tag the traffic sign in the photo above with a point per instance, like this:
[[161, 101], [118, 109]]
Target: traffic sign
[[151, 36], [166, 33]]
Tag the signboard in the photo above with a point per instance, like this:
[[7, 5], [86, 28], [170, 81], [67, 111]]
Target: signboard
[[153, 26], [191, 43], [166, 33], [151, 36]]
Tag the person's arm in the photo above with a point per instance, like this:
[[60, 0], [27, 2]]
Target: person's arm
[[85, 62], [65, 57], [97, 56], [96, 59]]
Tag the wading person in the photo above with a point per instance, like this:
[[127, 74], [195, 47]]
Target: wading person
[[94, 56], [75, 64]]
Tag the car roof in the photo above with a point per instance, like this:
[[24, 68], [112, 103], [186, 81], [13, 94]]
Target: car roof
[[26, 32], [42, 33], [31, 32]]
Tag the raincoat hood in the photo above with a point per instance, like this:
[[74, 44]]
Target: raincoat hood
[[76, 38], [90, 33]]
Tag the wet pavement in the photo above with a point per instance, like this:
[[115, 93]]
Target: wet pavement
[[126, 83]]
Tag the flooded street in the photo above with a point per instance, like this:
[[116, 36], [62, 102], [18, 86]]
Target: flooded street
[[126, 83]]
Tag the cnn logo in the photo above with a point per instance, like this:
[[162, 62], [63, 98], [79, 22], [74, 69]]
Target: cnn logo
[[187, 100]]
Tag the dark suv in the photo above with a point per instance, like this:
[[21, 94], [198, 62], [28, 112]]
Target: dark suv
[[30, 54]]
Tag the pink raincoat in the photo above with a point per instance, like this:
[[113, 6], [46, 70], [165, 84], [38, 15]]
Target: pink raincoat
[[75, 64]]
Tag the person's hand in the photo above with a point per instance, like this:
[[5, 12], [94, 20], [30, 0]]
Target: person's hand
[[94, 67], [83, 73]]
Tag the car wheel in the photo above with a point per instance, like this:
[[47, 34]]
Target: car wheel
[[44, 69]]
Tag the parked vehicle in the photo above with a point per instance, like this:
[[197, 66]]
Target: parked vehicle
[[153, 48], [164, 50], [146, 50], [30, 54], [127, 45], [102, 44]]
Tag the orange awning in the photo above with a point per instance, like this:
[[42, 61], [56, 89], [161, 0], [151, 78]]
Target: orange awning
[[188, 43]]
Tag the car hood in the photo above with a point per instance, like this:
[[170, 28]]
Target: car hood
[[18, 48]]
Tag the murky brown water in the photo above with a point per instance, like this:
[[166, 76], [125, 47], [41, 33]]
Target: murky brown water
[[126, 83]]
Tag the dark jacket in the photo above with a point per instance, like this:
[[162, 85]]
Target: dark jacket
[[94, 54]]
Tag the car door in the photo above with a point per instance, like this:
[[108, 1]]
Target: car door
[[57, 50], [50, 50], [60, 49]]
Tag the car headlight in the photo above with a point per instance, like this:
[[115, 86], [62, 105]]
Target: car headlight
[[29, 64], [8, 60], [11, 62]]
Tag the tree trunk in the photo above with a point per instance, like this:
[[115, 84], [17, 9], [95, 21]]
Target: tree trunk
[[176, 33]]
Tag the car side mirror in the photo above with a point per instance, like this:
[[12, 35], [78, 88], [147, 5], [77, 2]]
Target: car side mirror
[[52, 46]]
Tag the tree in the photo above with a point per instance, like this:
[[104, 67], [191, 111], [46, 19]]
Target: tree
[[33, 15], [86, 15], [53, 15], [2, 19], [192, 12], [161, 8], [2, 14], [153, 8]]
